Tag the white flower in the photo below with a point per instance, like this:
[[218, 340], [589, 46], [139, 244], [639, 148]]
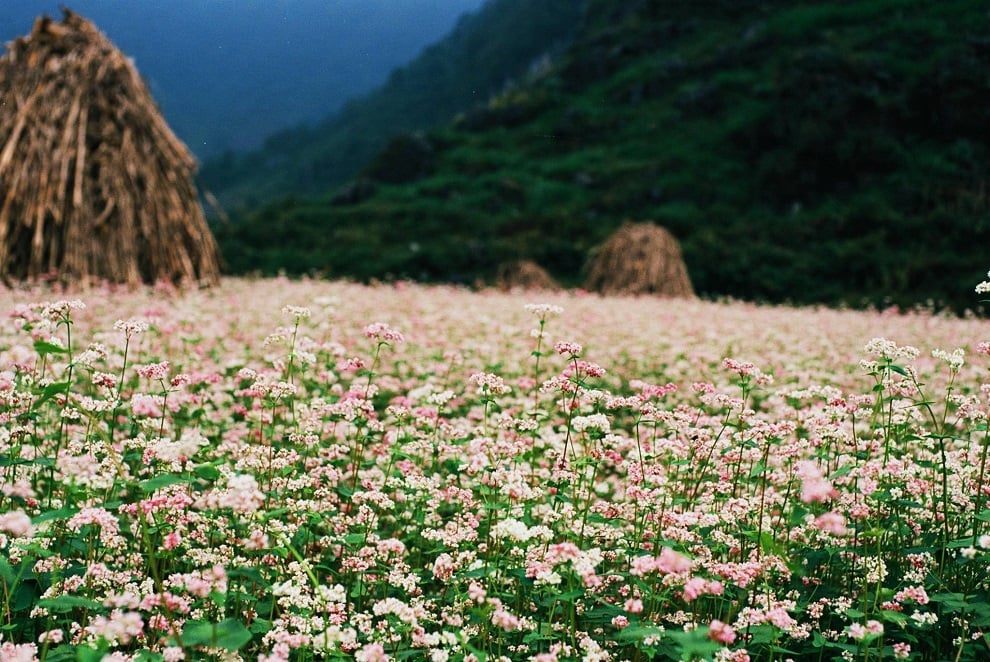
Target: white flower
[[299, 312], [593, 422], [954, 359], [543, 310]]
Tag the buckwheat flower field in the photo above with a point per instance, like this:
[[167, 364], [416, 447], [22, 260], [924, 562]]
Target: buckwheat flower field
[[275, 470]]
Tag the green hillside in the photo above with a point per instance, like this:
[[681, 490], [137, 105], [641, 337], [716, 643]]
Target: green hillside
[[500, 42], [802, 152]]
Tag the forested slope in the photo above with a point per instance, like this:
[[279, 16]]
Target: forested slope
[[803, 152]]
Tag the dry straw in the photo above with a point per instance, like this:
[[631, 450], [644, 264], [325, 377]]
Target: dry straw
[[93, 183], [524, 275], [639, 258]]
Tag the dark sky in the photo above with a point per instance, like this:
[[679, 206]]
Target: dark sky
[[227, 73]]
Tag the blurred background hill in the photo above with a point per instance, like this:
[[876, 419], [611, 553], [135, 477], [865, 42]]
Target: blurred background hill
[[229, 73], [802, 151]]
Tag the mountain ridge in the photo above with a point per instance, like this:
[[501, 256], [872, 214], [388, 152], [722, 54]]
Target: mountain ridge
[[811, 152], [484, 51], [228, 73]]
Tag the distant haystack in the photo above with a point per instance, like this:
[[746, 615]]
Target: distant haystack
[[524, 275], [93, 183], [640, 258]]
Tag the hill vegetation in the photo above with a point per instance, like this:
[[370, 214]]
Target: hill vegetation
[[228, 74], [805, 152], [501, 42]]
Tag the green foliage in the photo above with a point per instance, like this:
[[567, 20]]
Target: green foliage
[[498, 43], [806, 152]]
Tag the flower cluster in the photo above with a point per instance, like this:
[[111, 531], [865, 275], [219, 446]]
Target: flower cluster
[[188, 481]]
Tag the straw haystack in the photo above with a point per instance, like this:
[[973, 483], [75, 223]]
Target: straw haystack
[[524, 275], [93, 183], [640, 258]]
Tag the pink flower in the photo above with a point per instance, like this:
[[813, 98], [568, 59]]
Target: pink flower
[[916, 593], [16, 523], [489, 383], [647, 391], [373, 652], [633, 606], [671, 562], [171, 540], [502, 618], [831, 522], [476, 592], [814, 486], [565, 348], [10, 652], [720, 632], [858, 631], [444, 567], [100, 517], [242, 494], [583, 368], [121, 626], [143, 404], [382, 333], [698, 586], [154, 371], [693, 588], [180, 380]]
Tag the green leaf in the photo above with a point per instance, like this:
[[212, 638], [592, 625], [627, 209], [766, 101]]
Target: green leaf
[[64, 603], [206, 472], [355, 538], [88, 654], [44, 347], [260, 626], [61, 653], [695, 644], [951, 601], [637, 633], [893, 616], [48, 515], [247, 572], [160, 481], [25, 596], [218, 598], [7, 573], [359, 590], [548, 600], [234, 635], [229, 634], [50, 392]]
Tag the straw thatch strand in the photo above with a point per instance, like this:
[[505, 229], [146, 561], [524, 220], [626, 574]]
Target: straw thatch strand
[[640, 258], [93, 183], [524, 275]]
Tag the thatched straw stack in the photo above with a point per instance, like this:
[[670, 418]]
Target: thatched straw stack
[[640, 258], [93, 183], [524, 275]]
